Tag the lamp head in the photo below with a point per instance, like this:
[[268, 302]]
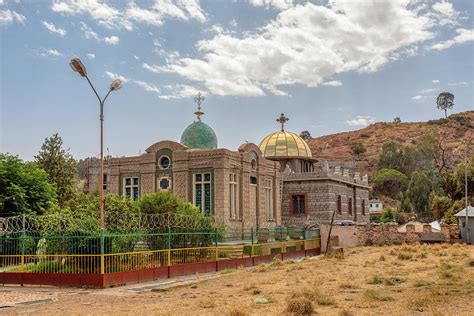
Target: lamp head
[[78, 67], [116, 85]]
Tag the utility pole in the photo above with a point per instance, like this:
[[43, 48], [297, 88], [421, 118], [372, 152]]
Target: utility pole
[[465, 192]]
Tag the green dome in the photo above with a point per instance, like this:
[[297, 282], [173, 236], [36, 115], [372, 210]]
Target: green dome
[[199, 135]]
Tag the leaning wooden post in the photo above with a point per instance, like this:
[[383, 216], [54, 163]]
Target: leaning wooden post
[[329, 233]]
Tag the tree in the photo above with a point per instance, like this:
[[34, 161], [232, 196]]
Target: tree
[[306, 135], [419, 190], [440, 205], [391, 156], [389, 182], [24, 188], [444, 102], [389, 215], [459, 175], [397, 120], [358, 148], [59, 165]]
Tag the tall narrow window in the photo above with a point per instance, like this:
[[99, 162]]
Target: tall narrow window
[[131, 187], [202, 192], [233, 195], [298, 204], [363, 207], [349, 206], [104, 184], [339, 205], [269, 200]]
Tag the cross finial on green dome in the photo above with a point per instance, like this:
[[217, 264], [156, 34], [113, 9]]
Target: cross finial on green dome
[[199, 98]]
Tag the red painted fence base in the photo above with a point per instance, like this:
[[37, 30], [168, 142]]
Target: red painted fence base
[[140, 276]]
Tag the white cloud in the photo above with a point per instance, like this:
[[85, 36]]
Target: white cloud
[[435, 81], [305, 44], [51, 52], [53, 29], [147, 86], [464, 35], [418, 98], [91, 56], [136, 57], [112, 17], [8, 17], [277, 4], [461, 83], [113, 76], [333, 83], [426, 91], [180, 91], [89, 33], [361, 121], [99, 11], [444, 13], [112, 40]]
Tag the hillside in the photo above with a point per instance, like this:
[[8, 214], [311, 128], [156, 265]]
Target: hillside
[[454, 130]]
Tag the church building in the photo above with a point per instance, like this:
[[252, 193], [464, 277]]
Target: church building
[[273, 184]]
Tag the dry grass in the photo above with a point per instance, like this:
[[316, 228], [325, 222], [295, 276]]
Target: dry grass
[[361, 283], [299, 306]]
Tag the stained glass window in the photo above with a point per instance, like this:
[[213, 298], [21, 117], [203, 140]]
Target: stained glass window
[[131, 187], [202, 192]]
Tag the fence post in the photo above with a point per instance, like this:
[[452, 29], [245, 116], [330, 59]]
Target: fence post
[[251, 247], [23, 245], [217, 249], [304, 240], [102, 251], [282, 244], [169, 246]]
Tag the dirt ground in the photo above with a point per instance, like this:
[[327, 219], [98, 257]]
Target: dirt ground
[[400, 280]]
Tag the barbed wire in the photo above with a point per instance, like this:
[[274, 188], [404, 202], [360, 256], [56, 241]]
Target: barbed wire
[[113, 223]]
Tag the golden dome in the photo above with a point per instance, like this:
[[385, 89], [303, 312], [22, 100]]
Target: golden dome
[[284, 144]]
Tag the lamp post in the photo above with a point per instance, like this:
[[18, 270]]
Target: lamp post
[[77, 66]]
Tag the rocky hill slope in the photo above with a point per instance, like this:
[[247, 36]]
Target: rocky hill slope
[[454, 130]]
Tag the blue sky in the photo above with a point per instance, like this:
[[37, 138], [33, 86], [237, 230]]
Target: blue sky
[[329, 66]]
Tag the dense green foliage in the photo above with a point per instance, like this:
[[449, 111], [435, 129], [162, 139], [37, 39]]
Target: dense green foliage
[[60, 167], [24, 188], [389, 182], [162, 202], [418, 176]]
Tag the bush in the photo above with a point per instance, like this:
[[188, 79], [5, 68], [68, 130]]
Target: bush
[[299, 306]]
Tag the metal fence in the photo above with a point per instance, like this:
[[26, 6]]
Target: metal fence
[[41, 253]]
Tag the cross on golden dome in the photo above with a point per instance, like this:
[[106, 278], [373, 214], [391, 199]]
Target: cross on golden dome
[[199, 98], [282, 120]]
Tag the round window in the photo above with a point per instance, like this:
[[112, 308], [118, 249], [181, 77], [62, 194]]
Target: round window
[[164, 162]]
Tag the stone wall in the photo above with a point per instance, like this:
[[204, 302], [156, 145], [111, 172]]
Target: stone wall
[[379, 234]]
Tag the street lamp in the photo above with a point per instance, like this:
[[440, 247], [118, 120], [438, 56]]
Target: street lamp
[[77, 66]]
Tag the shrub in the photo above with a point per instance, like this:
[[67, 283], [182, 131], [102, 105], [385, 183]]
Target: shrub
[[405, 256], [237, 311], [364, 136], [375, 280], [374, 295], [299, 306]]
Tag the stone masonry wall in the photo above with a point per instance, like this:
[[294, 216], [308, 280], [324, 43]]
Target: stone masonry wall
[[379, 234]]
